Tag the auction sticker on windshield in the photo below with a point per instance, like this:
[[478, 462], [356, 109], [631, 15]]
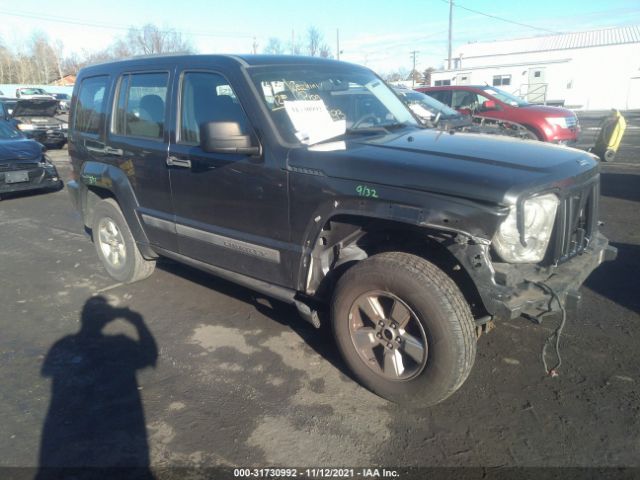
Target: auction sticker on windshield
[[312, 121]]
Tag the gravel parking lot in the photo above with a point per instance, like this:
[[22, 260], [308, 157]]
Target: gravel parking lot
[[203, 373]]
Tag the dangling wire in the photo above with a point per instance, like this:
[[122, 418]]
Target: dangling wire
[[553, 372]]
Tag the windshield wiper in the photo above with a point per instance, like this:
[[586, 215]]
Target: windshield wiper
[[385, 128]]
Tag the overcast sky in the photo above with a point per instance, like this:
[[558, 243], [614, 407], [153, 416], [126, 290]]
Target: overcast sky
[[380, 34]]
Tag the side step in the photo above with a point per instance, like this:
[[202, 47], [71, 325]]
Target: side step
[[283, 294]]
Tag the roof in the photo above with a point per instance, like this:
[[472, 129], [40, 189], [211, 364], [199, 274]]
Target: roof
[[564, 41], [245, 60]]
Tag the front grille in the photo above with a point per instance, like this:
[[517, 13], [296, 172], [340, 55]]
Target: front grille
[[571, 121], [575, 222], [46, 127]]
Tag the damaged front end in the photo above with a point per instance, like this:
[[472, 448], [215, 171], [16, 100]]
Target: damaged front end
[[547, 259]]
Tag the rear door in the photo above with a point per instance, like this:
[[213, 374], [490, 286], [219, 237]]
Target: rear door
[[231, 210], [138, 143]]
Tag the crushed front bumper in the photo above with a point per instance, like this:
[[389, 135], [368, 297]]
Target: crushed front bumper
[[531, 287], [512, 290]]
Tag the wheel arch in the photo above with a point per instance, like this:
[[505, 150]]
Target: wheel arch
[[346, 239], [98, 181]]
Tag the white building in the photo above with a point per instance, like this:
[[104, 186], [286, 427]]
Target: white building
[[592, 70]]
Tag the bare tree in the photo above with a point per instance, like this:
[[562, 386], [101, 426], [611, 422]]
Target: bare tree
[[427, 75], [274, 46], [325, 51], [150, 40], [295, 47], [42, 61], [314, 41]]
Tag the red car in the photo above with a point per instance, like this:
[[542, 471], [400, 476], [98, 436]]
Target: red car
[[549, 124]]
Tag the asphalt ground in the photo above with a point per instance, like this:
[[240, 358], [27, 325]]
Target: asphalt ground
[[190, 370]]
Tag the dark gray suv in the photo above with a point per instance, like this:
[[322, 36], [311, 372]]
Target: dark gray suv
[[310, 181]]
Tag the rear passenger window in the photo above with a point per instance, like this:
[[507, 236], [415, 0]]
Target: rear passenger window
[[207, 97], [140, 105], [90, 108]]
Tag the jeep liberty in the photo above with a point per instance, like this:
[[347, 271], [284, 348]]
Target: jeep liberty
[[310, 181]]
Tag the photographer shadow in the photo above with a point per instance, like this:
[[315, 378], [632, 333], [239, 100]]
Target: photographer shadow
[[96, 417]]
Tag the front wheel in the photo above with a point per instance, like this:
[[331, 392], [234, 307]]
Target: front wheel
[[116, 246], [404, 328]]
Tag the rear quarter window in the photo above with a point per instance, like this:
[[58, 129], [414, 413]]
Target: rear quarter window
[[91, 105]]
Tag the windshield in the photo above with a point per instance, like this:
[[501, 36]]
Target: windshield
[[32, 91], [310, 104], [425, 106], [506, 97], [7, 132]]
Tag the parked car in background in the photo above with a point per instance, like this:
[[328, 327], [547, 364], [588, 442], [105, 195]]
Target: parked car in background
[[549, 124], [439, 115], [7, 105], [32, 92], [64, 100], [23, 163], [36, 119]]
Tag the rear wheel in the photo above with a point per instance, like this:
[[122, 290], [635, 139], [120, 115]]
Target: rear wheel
[[404, 328], [115, 245]]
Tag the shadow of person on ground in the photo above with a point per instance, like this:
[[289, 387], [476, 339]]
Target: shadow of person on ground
[[96, 417]]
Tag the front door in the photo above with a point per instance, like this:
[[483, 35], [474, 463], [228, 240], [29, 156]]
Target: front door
[[230, 210], [537, 88]]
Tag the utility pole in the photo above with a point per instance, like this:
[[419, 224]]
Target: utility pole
[[450, 28], [337, 44], [413, 78]]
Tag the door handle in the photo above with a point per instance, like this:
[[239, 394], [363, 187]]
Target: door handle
[[178, 162], [113, 151]]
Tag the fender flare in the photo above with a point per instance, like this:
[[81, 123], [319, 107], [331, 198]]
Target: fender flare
[[449, 219], [96, 177]]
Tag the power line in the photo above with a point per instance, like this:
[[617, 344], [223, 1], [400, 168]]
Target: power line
[[495, 17], [113, 26]]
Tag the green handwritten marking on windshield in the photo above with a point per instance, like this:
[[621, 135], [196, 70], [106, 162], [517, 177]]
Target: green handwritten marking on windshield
[[365, 191]]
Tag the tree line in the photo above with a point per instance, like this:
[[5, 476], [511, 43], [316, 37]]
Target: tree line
[[41, 61]]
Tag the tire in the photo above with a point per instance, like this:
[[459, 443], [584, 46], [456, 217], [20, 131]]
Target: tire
[[533, 134], [115, 245], [405, 286]]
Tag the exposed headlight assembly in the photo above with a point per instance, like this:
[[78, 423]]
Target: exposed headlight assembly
[[25, 126], [530, 244]]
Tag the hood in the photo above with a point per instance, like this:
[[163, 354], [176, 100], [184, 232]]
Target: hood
[[35, 107], [20, 149], [546, 111], [480, 167]]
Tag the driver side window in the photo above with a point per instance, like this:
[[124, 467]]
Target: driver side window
[[463, 99], [207, 97]]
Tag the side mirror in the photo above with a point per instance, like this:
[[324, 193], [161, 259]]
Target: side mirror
[[226, 137], [489, 105]]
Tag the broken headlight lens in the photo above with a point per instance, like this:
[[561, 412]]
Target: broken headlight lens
[[539, 217]]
